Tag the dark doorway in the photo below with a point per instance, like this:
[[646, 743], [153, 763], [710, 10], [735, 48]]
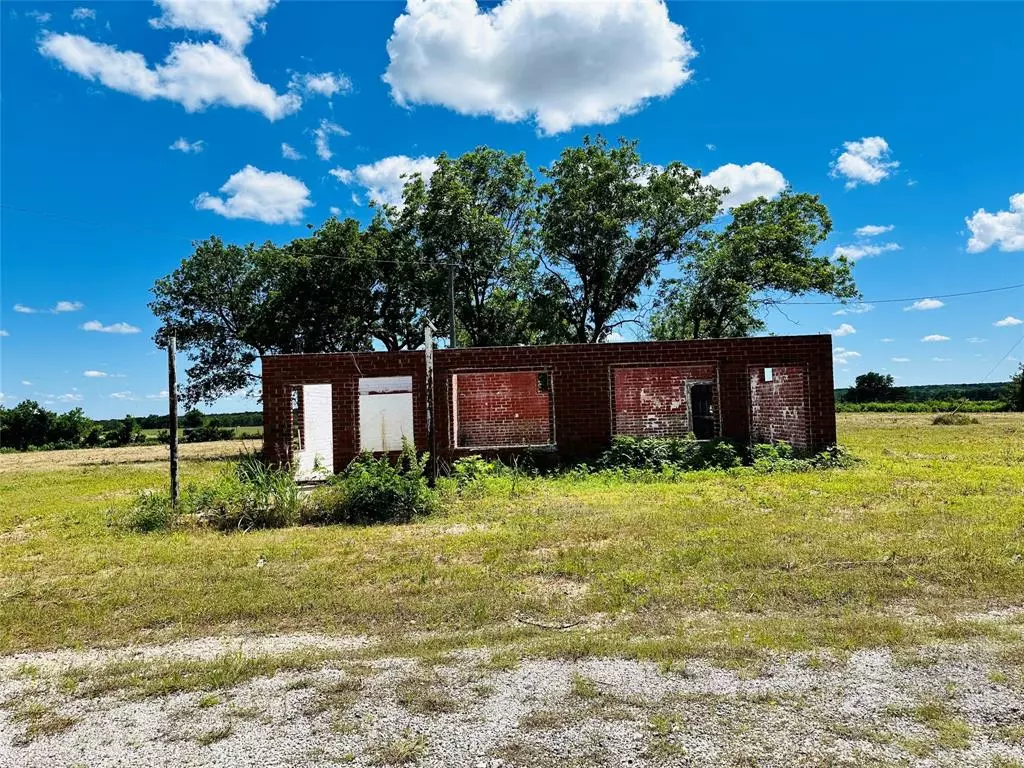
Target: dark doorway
[[702, 411]]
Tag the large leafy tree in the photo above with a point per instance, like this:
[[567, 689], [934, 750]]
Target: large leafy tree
[[478, 214], [608, 222], [762, 258]]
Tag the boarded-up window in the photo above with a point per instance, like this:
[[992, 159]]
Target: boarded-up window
[[653, 401], [314, 431], [496, 409], [385, 413]]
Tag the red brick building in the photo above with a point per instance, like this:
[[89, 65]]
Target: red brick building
[[569, 400]]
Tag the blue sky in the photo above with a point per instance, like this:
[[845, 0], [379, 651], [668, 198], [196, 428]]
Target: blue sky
[[131, 129]]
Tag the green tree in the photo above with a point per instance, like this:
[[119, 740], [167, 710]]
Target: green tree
[[478, 213], [192, 418], [1015, 390], [608, 222], [25, 424], [762, 258], [871, 387]]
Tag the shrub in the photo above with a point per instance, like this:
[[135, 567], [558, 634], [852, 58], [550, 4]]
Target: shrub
[[954, 420], [206, 434], [247, 496], [673, 453], [468, 472], [377, 491], [150, 511], [325, 505]]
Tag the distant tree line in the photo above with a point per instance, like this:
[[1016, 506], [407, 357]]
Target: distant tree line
[[573, 256], [872, 387]]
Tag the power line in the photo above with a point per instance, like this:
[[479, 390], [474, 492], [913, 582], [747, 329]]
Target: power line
[[908, 298], [1001, 359]]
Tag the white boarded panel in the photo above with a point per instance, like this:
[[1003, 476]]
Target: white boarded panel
[[316, 458], [384, 420]]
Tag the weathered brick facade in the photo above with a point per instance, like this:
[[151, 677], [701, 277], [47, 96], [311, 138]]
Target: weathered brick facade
[[592, 391]]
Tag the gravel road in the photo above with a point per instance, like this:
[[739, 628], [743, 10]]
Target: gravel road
[[951, 705]]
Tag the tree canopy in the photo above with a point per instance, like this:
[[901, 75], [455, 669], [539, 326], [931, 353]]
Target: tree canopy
[[569, 258]]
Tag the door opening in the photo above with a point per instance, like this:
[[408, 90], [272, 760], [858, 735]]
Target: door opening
[[702, 411]]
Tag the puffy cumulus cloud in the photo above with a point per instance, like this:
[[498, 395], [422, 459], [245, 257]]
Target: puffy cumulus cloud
[[1004, 229], [745, 182], [923, 305], [195, 75], [230, 20], [856, 309], [270, 197], [21, 308], [323, 84], [562, 64], [1008, 322], [188, 147], [334, 211], [864, 162], [935, 337], [861, 250], [871, 230], [842, 355], [844, 329], [96, 325], [385, 179], [322, 138], [58, 308]]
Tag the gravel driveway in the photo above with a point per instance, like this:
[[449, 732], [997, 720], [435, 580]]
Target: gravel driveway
[[954, 705]]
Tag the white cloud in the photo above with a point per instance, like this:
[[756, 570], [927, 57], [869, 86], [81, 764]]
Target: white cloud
[[1002, 228], [270, 197], [195, 75], [935, 337], [324, 84], [842, 356], [942, 359], [844, 329], [614, 338], [923, 305], [161, 395], [56, 309], [864, 162], [95, 374], [96, 325], [3, 333], [385, 179], [230, 20], [184, 145], [887, 340], [2, 397], [288, 152], [127, 395], [39, 16], [745, 182], [81, 14], [561, 63], [856, 309], [26, 383], [862, 250], [710, 147], [335, 210], [976, 340], [900, 359], [322, 138], [870, 230], [70, 397], [1008, 321]]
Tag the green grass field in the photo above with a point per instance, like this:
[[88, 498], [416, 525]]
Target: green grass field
[[901, 549], [239, 432]]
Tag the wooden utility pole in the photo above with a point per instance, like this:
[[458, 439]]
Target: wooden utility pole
[[428, 353], [451, 301], [172, 404]]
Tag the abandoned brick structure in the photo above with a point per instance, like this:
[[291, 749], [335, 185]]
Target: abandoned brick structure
[[321, 410]]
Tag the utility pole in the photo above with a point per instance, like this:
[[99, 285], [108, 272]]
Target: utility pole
[[451, 300], [428, 353], [172, 403]]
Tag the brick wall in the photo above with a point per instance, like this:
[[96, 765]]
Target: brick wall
[[582, 388], [650, 401], [778, 408], [502, 408]]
